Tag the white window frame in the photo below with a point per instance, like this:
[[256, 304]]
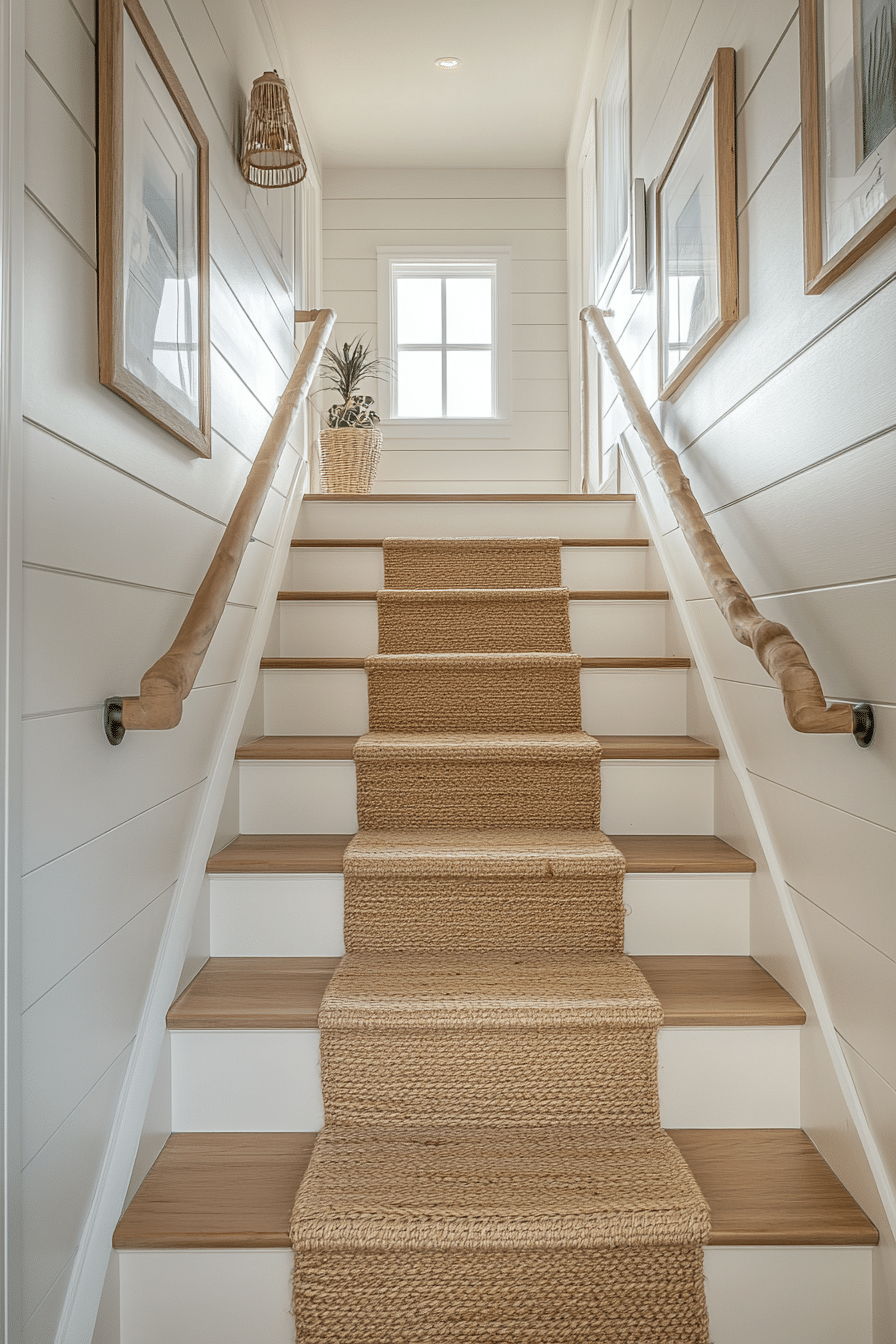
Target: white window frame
[[391, 261]]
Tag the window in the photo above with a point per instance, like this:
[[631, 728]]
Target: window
[[444, 322]]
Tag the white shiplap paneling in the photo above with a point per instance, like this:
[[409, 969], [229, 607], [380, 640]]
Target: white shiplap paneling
[[525, 210]]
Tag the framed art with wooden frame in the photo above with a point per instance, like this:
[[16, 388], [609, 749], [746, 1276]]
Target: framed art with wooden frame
[[848, 90], [696, 232], [152, 230]]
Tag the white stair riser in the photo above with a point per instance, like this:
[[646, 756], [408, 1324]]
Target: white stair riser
[[300, 915], [433, 517], [315, 701], [322, 629], [188, 1297], [789, 1294], [755, 1295], [687, 914], [319, 797], [709, 1078], [334, 700], [329, 568]]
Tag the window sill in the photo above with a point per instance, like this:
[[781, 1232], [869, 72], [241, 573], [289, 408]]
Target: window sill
[[446, 429]]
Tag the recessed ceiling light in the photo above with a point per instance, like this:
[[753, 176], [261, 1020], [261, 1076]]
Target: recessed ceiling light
[[447, 62]]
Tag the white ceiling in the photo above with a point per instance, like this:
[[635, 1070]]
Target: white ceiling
[[371, 95]]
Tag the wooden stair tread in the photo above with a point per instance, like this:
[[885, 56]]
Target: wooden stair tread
[[323, 854], [216, 1191], [771, 1187], [297, 748], [441, 499], [280, 854], [575, 595], [765, 1187], [246, 993], [373, 542], [284, 993], [718, 992], [335, 748], [681, 854], [620, 663]]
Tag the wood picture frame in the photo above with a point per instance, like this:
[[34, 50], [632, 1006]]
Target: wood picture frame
[[696, 210], [152, 230], [845, 204]]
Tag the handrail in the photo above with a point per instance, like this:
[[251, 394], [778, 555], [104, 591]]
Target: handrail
[[165, 686], [783, 658]]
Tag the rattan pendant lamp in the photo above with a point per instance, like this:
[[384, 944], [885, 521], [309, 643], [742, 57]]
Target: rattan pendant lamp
[[272, 155]]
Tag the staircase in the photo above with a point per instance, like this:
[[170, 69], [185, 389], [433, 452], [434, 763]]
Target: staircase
[[203, 1248]]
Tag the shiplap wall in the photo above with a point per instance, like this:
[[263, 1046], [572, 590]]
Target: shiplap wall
[[788, 434], [366, 208], [120, 522]]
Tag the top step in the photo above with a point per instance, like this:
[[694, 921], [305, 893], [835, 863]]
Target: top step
[[377, 516]]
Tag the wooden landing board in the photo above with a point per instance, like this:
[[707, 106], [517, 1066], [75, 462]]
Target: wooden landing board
[[765, 1187], [610, 664], [334, 748], [323, 854], [284, 993], [373, 542], [719, 992]]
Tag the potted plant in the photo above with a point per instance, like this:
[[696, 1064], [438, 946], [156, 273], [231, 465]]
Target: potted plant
[[350, 445]]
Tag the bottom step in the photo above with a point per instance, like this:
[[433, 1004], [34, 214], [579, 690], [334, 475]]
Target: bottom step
[[204, 1252]]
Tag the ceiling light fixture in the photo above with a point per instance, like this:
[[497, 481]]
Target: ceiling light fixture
[[447, 62]]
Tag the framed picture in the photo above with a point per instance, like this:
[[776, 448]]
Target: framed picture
[[614, 155], [696, 232], [848, 88], [152, 226]]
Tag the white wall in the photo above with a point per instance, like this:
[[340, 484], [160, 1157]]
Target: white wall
[[787, 434], [120, 522], [525, 209]]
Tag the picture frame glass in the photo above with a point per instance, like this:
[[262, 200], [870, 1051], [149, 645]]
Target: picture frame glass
[[160, 236], [857, 107], [689, 259]]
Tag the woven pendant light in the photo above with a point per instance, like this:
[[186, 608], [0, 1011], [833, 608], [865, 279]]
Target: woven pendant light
[[272, 156]]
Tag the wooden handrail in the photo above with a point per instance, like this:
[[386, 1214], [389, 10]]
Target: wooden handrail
[[780, 654], [168, 682]]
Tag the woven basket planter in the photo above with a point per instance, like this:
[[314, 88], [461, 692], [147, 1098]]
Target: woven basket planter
[[348, 460]]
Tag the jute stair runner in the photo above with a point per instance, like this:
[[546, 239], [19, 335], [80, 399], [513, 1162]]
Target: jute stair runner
[[492, 1168], [472, 562], [474, 692], [477, 620]]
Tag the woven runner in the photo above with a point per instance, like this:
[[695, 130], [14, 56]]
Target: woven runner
[[486, 891], [492, 1169], [472, 562], [474, 692], [478, 620]]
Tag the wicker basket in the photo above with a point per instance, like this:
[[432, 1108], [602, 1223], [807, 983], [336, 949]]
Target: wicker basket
[[348, 460]]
